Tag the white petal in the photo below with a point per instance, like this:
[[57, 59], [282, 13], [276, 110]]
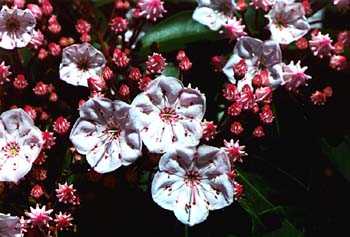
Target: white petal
[[191, 104], [101, 159], [17, 121], [208, 17], [84, 136], [13, 169], [190, 207], [166, 188]]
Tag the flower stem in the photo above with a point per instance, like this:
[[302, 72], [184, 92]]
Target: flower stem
[[186, 231]]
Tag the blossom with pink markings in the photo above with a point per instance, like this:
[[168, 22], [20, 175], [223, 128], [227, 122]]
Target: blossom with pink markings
[[80, 62], [16, 27], [39, 216], [67, 194], [63, 221], [260, 58], [287, 21], [169, 114], [106, 134], [20, 144], [234, 151], [294, 76], [193, 181], [151, 9], [321, 45]]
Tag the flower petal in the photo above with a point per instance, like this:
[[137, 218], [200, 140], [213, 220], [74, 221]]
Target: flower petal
[[191, 104], [190, 207], [208, 17], [166, 188], [12, 170]]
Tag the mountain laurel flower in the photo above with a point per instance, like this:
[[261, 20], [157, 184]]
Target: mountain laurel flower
[[40, 88], [209, 130], [16, 27], [63, 221], [236, 128], [294, 76], [46, 7], [120, 58], [35, 10], [20, 82], [234, 28], [262, 4], [156, 63], [214, 13], [321, 45], [80, 62], [287, 21], [151, 9], [38, 39], [53, 25], [234, 151], [4, 73], [193, 181], [82, 26], [61, 125], [106, 134], [9, 226], [266, 114], [169, 114], [39, 216], [118, 24], [67, 194], [318, 98], [37, 191], [20, 144], [338, 62], [260, 57], [259, 132]]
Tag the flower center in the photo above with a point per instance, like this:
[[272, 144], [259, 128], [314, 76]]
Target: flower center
[[280, 21], [13, 24], [11, 149], [169, 115], [113, 130], [84, 64], [192, 177]]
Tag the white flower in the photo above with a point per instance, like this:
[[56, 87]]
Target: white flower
[[169, 114], [16, 27], [287, 21], [106, 134], [9, 226], [258, 56], [80, 62], [214, 13], [191, 182], [20, 144], [294, 75]]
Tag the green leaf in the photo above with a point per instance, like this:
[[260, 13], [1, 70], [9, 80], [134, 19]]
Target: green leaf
[[175, 33], [171, 71], [256, 204], [339, 155]]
